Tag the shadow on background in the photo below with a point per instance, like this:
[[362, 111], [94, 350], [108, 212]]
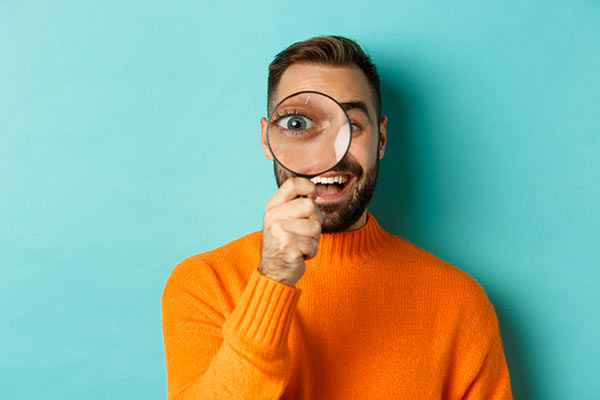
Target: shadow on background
[[513, 350], [396, 204]]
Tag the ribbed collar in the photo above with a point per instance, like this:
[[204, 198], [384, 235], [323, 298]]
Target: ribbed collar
[[344, 248]]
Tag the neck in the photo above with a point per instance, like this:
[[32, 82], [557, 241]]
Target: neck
[[352, 247], [361, 221]]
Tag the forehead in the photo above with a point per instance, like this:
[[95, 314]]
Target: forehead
[[345, 84]]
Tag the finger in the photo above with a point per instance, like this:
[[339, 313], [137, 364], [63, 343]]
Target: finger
[[304, 208], [318, 215], [308, 246], [303, 227], [292, 188]]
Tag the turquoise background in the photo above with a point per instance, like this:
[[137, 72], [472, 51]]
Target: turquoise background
[[129, 140]]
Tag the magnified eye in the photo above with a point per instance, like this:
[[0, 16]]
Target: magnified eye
[[295, 123]]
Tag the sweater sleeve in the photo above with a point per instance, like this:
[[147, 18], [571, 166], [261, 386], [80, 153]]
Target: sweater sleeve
[[486, 368], [243, 356], [492, 381]]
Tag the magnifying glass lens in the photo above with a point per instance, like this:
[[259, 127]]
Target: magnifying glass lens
[[308, 133]]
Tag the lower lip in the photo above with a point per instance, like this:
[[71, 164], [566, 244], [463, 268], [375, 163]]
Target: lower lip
[[338, 195]]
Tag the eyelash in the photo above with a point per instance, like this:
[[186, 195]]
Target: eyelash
[[289, 113], [294, 113]]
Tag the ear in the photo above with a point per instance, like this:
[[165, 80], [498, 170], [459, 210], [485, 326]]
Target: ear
[[382, 136], [263, 138]]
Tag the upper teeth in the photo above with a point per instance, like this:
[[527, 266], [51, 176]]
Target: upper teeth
[[330, 179]]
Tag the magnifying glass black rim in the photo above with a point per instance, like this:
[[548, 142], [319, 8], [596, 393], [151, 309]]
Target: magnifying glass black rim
[[269, 142]]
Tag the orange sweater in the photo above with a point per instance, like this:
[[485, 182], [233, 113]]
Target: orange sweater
[[373, 317]]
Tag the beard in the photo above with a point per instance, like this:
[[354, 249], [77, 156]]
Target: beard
[[340, 216]]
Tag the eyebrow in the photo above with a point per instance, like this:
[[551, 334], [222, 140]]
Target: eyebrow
[[360, 105]]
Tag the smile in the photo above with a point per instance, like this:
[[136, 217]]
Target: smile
[[332, 186]]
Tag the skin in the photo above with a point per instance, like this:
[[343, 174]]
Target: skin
[[292, 225]]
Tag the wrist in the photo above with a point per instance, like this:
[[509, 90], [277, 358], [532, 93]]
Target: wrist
[[275, 276]]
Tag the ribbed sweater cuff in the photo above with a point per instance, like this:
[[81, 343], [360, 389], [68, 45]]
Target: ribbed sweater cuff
[[261, 319]]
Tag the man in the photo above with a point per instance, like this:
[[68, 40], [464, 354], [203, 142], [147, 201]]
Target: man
[[323, 303]]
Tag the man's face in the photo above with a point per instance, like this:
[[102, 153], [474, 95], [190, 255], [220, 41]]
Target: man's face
[[343, 209]]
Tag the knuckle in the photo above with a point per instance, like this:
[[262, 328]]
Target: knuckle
[[276, 228], [291, 254], [290, 259], [316, 226], [292, 181], [267, 212], [268, 205], [285, 239], [268, 219], [271, 203], [307, 204]]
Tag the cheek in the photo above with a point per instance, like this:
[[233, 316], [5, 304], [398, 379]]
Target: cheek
[[364, 149]]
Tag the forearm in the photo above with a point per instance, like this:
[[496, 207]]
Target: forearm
[[253, 359]]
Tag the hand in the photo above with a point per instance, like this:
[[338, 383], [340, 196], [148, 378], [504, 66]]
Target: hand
[[291, 231]]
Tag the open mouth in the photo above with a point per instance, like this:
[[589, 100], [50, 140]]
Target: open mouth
[[331, 186]]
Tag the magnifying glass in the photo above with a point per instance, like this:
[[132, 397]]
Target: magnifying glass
[[308, 133]]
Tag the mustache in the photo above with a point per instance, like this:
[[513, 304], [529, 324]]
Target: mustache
[[349, 164]]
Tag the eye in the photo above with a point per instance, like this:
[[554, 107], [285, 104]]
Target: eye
[[295, 123], [354, 128]]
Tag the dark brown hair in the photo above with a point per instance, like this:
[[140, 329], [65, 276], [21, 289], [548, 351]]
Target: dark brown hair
[[327, 50]]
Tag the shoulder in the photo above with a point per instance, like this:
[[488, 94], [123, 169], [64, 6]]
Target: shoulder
[[213, 267], [449, 285]]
